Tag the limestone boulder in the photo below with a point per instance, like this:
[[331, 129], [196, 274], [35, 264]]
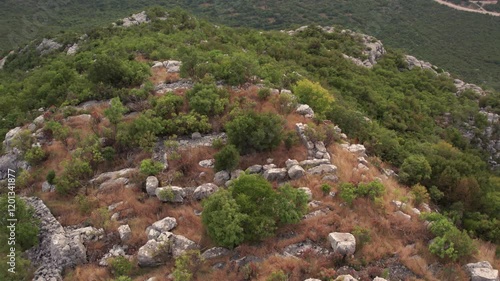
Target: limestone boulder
[[204, 190], [151, 185], [276, 174], [220, 178], [164, 225], [125, 232], [296, 172], [254, 169], [482, 271], [323, 169], [342, 243]]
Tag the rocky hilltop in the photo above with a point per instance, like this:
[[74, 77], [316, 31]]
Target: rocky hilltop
[[202, 156]]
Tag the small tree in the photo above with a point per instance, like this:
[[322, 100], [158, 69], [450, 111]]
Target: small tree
[[35, 155], [227, 159], [223, 220], [314, 95], [420, 194], [115, 113], [207, 99], [415, 168]]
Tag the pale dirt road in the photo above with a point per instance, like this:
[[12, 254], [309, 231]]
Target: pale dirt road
[[460, 8]]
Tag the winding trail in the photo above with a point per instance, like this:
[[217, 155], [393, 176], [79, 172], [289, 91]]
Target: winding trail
[[460, 8]]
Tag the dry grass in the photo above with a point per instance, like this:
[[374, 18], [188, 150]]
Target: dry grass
[[89, 272], [189, 224], [189, 167]]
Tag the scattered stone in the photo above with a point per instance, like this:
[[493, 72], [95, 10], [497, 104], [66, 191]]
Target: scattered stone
[[236, 174], [152, 233], [196, 136], [355, 148], [426, 207], [209, 163], [362, 167], [482, 271], [255, 169], [307, 191], [47, 187], [39, 121], [114, 206], [416, 211], [398, 204], [276, 174], [402, 215], [379, 279], [320, 146], [72, 49], [115, 216], [314, 163], [221, 178], [330, 178], [125, 232], [269, 160], [135, 19], [151, 185], [342, 243], [164, 225], [173, 194], [346, 277], [304, 109], [116, 251], [204, 190], [289, 163], [153, 253], [323, 169], [215, 253], [268, 166], [296, 172]]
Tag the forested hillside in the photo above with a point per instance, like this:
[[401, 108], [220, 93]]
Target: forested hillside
[[463, 43]]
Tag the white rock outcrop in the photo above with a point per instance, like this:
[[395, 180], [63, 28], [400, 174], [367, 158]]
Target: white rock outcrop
[[482, 271]]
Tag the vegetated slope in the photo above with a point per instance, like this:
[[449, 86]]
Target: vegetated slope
[[460, 42], [415, 115]]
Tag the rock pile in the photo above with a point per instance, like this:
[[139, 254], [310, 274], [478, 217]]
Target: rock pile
[[482, 271], [48, 46], [163, 244], [110, 179]]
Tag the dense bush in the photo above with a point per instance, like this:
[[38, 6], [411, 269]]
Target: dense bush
[[227, 158], [250, 210], [207, 99], [167, 105], [450, 243], [255, 132], [150, 167], [120, 266], [117, 73], [349, 192], [314, 95], [35, 155], [415, 169], [51, 177]]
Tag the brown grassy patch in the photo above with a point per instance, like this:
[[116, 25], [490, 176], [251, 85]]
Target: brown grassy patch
[[88, 272], [188, 224], [189, 167]]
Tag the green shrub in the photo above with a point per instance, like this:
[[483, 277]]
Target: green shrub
[[23, 140], [348, 192], [311, 93], [372, 189], [35, 155], [75, 171], [167, 105], [290, 140], [218, 143], [26, 225], [51, 177], [264, 93], [251, 131], [184, 124], [326, 188], [150, 167], [166, 194], [435, 193], [207, 99], [420, 194], [186, 265], [415, 168], [362, 236], [227, 159], [120, 266], [251, 210], [450, 243], [277, 276]]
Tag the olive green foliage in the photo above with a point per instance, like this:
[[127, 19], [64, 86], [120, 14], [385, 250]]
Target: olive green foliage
[[186, 265], [167, 105], [223, 219], [415, 169], [51, 177], [362, 236], [326, 188], [120, 266], [277, 276], [250, 210], [23, 140], [115, 112], [35, 155], [75, 172], [207, 99], [372, 190], [117, 73], [314, 95], [264, 93], [285, 103], [450, 243], [59, 132], [184, 124], [255, 132], [142, 131], [420, 194], [150, 167], [227, 158]]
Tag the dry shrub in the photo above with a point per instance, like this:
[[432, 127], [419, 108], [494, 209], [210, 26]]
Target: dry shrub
[[89, 272], [294, 268], [188, 165], [188, 224], [486, 252]]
